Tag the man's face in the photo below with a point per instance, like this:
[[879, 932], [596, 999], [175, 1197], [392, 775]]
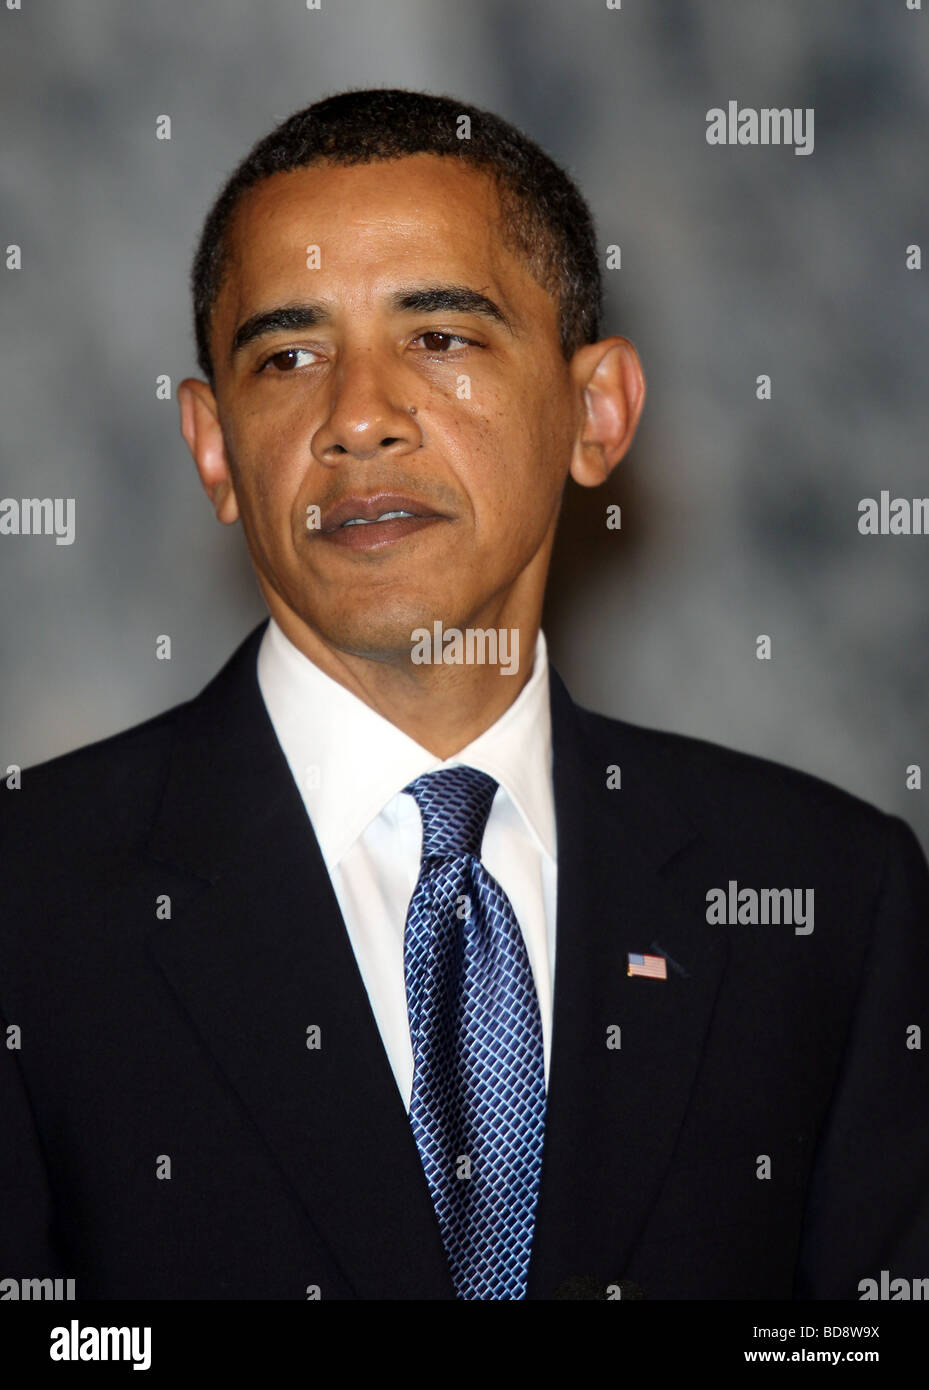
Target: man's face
[[404, 296]]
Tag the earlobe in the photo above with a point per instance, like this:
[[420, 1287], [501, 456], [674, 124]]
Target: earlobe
[[612, 385], [204, 437]]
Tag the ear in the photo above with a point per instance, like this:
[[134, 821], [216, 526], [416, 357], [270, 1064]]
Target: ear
[[609, 379], [201, 429]]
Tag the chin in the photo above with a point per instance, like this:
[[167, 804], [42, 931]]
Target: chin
[[383, 633]]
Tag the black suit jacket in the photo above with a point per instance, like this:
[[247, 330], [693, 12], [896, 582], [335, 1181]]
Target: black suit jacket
[[146, 1038]]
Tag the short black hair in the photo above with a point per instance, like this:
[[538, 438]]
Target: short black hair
[[544, 218]]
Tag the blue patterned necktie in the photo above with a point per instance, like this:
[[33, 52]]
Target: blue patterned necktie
[[478, 1104]]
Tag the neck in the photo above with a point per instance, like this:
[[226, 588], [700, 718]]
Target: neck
[[443, 704]]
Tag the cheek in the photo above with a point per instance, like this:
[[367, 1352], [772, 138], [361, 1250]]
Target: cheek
[[507, 449], [523, 445], [269, 466]]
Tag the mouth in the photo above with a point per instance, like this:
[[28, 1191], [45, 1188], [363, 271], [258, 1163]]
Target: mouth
[[369, 523]]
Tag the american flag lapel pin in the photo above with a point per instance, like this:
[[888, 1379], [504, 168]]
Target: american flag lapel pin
[[651, 967]]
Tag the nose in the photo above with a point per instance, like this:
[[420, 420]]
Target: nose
[[367, 414]]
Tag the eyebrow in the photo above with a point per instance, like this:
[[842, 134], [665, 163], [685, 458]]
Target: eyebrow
[[430, 299]]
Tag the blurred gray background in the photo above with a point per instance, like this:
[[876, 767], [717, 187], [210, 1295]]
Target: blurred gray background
[[739, 516]]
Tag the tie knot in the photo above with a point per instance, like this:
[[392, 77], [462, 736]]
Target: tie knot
[[454, 804]]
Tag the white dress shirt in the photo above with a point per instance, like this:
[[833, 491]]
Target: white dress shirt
[[350, 765]]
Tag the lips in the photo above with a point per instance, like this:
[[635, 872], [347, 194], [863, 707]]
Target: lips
[[363, 523], [384, 516], [360, 510]]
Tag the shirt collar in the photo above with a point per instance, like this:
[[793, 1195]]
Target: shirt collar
[[349, 761]]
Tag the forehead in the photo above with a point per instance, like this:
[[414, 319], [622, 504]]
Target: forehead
[[421, 217]]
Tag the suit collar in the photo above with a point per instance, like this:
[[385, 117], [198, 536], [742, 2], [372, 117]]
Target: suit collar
[[650, 819], [227, 756]]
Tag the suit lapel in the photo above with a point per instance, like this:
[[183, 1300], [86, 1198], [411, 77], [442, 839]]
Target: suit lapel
[[614, 1114], [257, 952]]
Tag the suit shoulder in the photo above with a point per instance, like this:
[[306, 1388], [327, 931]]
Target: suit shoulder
[[712, 782], [103, 784], [103, 793]]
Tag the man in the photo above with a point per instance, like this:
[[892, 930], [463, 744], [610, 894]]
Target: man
[[380, 969]]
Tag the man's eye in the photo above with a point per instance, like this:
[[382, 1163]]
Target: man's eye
[[285, 360], [441, 342]]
